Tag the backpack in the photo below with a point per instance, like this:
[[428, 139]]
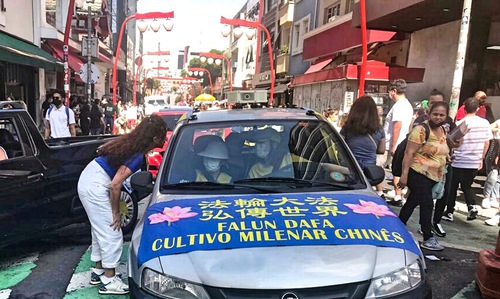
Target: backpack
[[67, 112], [397, 159]]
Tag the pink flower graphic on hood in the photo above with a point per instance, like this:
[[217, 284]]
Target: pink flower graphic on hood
[[369, 207], [171, 215]]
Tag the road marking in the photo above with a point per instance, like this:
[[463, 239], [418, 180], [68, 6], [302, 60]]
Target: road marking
[[15, 270], [79, 286]]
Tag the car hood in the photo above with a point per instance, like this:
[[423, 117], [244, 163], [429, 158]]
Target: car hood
[[283, 267]]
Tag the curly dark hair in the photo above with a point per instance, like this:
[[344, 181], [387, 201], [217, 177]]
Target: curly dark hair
[[140, 140], [363, 117]]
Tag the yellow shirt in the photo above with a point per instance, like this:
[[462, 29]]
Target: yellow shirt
[[223, 177], [430, 158], [259, 170]]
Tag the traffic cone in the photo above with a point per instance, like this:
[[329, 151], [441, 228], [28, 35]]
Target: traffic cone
[[488, 272]]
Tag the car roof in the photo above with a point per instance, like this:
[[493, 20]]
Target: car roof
[[252, 114]]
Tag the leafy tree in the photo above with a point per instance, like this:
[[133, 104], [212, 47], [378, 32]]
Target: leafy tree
[[215, 71], [152, 84]]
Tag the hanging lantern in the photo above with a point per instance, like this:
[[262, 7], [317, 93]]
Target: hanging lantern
[[166, 58], [238, 32], [155, 25], [201, 73], [250, 33], [203, 59], [210, 60], [218, 62], [142, 26], [190, 73], [226, 30], [195, 73], [168, 24]]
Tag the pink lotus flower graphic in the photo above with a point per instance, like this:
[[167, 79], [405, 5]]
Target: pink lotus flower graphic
[[171, 215], [369, 207]]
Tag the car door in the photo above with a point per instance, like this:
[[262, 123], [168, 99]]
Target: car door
[[21, 185]]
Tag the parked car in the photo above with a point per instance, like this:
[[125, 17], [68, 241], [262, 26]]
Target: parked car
[[38, 182], [310, 226], [170, 115], [154, 103]]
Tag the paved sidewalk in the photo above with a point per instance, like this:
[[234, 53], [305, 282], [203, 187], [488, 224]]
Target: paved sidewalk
[[460, 206]]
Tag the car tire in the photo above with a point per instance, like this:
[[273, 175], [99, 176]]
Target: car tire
[[129, 210]]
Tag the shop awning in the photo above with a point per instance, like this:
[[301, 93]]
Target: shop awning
[[323, 42], [17, 51], [318, 66], [280, 88], [74, 62], [376, 71]]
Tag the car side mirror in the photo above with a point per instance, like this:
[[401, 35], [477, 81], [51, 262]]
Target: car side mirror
[[375, 174], [142, 182]]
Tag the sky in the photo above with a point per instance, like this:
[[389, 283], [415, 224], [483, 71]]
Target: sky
[[196, 24]]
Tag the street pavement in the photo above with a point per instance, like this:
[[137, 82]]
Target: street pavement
[[57, 266]]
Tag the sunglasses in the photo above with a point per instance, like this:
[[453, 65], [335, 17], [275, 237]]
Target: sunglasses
[[56, 98]]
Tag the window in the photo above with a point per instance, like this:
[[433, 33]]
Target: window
[[9, 139], [300, 28], [349, 6], [332, 11]]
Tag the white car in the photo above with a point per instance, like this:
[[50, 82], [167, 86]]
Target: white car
[[154, 104], [304, 223]]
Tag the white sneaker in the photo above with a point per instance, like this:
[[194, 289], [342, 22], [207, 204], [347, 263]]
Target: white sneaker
[[390, 194], [493, 220], [494, 203], [485, 204], [115, 287]]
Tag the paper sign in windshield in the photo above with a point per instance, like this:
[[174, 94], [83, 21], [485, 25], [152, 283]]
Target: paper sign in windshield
[[216, 223]]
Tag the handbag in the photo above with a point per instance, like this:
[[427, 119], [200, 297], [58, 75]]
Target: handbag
[[438, 188]]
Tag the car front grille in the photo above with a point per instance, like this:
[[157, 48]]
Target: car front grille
[[346, 291]]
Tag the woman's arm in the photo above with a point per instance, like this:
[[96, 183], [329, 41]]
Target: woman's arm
[[411, 149], [114, 193], [381, 146]]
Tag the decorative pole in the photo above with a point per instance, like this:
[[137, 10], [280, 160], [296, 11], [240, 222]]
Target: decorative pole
[[460, 62], [67, 30], [364, 59]]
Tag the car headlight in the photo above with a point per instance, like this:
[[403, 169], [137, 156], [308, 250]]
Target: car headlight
[[395, 282], [171, 287]]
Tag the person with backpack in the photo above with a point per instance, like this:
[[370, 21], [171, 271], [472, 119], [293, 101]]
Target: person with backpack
[[424, 165], [60, 120]]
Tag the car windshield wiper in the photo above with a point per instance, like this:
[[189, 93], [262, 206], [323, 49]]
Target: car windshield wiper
[[214, 185], [297, 182], [198, 185]]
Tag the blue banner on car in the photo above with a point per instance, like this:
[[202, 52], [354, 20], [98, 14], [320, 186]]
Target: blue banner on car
[[182, 226]]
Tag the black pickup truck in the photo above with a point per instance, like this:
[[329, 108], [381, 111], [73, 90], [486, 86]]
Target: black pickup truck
[[38, 181]]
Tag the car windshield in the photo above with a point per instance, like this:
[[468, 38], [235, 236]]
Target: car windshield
[[275, 156], [157, 102]]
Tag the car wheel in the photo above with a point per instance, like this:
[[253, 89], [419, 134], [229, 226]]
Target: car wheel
[[128, 211]]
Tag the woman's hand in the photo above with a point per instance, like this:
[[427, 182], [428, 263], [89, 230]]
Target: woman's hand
[[402, 181], [117, 221]]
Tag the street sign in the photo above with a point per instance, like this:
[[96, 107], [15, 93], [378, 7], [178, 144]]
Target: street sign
[[94, 46], [94, 73]]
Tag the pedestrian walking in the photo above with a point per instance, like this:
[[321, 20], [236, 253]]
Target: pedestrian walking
[[483, 111], [60, 120], [396, 127], [99, 190], [96, 118], [423, 166], [110, 114], [363, 133], [467, 159]]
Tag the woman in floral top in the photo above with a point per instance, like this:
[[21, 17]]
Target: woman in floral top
[[423, 166]]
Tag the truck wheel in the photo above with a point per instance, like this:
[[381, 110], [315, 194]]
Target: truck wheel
[[128, 210]]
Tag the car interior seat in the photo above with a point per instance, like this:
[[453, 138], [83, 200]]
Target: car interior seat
[[236, 165], [10, 144]]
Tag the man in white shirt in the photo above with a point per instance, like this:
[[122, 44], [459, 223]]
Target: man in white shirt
[[468, 159], [60, 120], [396, 127]]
